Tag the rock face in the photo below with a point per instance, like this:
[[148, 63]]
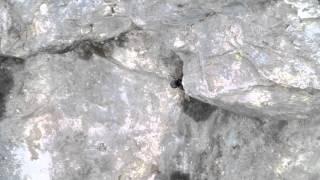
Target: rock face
[[259, 58], [159, 89], [80, 119]]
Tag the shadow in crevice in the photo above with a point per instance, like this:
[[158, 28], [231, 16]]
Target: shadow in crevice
[[197, 110], [176, 175], [86, 49], [174, 65], [6, 79]]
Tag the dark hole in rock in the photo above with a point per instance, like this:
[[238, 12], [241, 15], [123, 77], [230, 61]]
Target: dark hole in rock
[[175, 64], [180, 5], [176, 175], [84, 50], [197, 110], [99, 50], [176, 83], [112, 10], [121, 40]]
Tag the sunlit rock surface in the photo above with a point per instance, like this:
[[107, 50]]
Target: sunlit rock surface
[[92, 90]]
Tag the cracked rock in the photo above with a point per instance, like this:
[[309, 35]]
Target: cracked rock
[[159, 89], [257, 58]]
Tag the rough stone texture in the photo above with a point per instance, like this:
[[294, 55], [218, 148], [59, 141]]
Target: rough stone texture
[[71, 117], [86, 89], [56, 25], [230, 147], [259, 58]]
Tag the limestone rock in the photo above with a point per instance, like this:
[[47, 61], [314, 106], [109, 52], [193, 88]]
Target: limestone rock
[[91, 89], [257, 58]]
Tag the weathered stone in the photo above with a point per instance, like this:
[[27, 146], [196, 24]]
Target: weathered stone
[[257, 58], [56, 25], [87, 119], [159, 89], [225, 146]]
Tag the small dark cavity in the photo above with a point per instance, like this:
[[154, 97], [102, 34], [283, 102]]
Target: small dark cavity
[[197, 110], [121, 40], [177, 175], [176, 83], [181, 5], [98, 49], [175, 64], [84, 50], [236, 146], [208, 14], [91, 27], [112, 10]]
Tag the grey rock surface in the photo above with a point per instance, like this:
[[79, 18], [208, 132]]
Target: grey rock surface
[[86, 120], [91, 89], [229, 147], [258, 58]]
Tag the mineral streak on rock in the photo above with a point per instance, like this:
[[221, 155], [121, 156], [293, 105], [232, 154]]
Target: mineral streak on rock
[[159, 89]]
